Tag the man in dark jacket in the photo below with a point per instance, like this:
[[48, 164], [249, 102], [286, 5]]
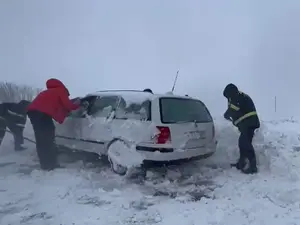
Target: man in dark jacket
[[53, 103], [13, 116], [242, 112]]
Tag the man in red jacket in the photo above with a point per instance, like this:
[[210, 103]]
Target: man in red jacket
[[53, 103]]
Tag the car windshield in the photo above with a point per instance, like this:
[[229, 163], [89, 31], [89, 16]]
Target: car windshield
[[181, 110]]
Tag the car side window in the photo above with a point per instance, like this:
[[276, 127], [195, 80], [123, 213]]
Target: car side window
[[104, 105], [137, 111], [85, 104]]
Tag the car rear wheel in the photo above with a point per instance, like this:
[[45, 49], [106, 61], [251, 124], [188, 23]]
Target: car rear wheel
[[114, 153], [117, 168], [123, 158]]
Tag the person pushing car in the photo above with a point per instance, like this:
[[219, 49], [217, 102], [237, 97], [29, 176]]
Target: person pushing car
[[53, 103], [13, 116], [242, 112]]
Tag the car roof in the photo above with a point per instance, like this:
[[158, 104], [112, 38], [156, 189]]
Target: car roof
[[137, 94], [130, 96]]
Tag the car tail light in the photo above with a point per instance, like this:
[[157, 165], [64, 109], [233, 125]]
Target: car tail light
[[163, 136]]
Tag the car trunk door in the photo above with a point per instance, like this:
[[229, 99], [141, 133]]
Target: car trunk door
[[190, 135]]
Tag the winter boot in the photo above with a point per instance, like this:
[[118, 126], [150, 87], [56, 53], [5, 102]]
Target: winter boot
[[252, 169], [20, 148], [58, 166], [51, 167], [240, 164]]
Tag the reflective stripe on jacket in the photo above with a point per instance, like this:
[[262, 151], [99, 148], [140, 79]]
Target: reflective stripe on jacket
[[237, 109], [253, 113]]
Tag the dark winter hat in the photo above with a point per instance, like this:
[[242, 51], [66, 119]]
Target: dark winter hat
[[148, 90], [24, 103], [230, 91]]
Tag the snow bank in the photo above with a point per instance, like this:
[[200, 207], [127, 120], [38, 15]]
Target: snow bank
[[276, 143], [207, 192]]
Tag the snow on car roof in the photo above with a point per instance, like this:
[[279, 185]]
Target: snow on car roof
[[136, 96], [129, 96]]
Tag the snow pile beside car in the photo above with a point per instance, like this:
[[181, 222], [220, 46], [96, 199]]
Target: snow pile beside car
[[276, 143], [76, 195]]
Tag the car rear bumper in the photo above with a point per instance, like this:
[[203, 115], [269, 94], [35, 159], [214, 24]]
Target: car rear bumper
[[166, 155], [151, 163]]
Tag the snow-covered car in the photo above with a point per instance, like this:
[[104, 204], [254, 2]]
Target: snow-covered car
[[135, 127]]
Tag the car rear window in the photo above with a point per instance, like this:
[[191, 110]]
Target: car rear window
[[180, 110]]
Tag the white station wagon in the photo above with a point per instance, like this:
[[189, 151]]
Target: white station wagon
[[135, 127]]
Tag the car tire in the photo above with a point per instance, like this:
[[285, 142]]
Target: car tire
[[112, 153]]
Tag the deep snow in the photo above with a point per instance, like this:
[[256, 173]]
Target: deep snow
[[204, 192]]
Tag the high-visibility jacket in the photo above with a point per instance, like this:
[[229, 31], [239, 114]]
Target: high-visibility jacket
[[241, 110], [13, 113]]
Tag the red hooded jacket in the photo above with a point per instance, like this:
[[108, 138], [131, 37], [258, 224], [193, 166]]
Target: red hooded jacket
[[54, 101]]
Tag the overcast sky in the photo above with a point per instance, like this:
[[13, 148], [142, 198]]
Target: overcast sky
[[100, 44]]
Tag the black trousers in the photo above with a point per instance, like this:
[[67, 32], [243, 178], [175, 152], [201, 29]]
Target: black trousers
[[246, 147], [44, 131], [16, 130]]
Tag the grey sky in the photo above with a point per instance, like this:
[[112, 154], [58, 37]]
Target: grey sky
[[96, 44]]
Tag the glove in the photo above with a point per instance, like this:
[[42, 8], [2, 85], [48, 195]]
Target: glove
[[75, 100], [227, 117], [84, 104]]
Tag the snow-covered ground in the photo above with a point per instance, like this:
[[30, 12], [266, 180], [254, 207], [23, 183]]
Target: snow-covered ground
[[204, 192]]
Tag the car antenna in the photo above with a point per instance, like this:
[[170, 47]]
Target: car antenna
[[175, 81]]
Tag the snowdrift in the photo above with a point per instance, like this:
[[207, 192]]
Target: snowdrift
[[204, 192], [277, 145]]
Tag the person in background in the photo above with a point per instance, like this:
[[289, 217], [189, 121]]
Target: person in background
[[242, 112], [148, 90], [52, 103], [13, 116]]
